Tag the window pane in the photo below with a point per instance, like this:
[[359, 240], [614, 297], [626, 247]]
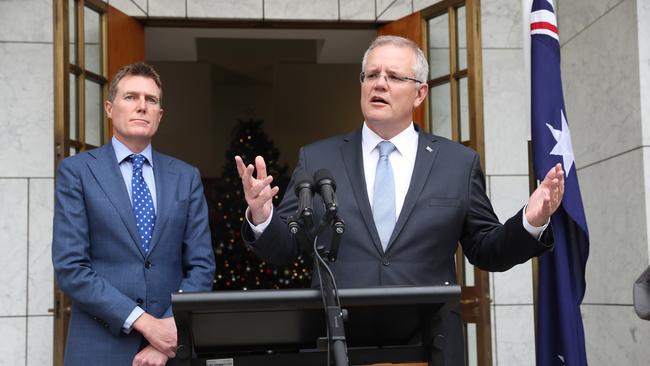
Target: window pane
[[440, 110], [472, 346], [463, 105], [94, 114], [72, 30], [461, 37], [469, 274], [74, 110], [439, 45], [92, 46]]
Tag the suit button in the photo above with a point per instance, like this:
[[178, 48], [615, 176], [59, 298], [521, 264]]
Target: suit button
[[385, 261], [147, 264], [139, 301]]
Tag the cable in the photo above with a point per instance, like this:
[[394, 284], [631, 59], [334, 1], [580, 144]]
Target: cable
[[329, 272], [320, 261], [322, 294]]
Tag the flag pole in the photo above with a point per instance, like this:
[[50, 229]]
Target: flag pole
[[532, 185]]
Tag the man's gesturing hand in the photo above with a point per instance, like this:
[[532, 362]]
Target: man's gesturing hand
[[546, 198], [257, 190]]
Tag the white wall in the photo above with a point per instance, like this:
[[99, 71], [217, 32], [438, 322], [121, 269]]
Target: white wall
[[507, 129], [26, 181]]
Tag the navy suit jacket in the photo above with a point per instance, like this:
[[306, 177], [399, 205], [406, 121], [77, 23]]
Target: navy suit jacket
[[98, 259], [445, 204]]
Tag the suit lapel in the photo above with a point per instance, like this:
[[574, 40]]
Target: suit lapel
[[424, 158], [109, 177], [166, 181], [353, 160]]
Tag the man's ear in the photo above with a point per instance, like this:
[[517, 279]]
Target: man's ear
[[422, 92], [108, 107]]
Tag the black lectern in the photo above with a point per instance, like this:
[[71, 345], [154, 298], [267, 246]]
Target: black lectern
[[287, 327]]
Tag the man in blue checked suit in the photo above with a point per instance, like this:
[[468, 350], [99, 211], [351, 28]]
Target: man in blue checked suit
[[130, 228]]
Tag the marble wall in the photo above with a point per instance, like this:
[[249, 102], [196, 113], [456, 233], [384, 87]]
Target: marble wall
[[507, 130], [272, 10], [26, 181], [643, 28]]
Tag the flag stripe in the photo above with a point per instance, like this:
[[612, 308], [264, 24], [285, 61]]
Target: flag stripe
[[546, 32], [543, 16], [543, 25]]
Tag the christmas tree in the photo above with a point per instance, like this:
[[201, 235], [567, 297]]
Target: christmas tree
[[237, 267]]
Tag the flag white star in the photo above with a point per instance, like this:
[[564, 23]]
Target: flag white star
[[563, 147]]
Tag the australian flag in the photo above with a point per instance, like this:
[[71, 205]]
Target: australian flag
[[560, 335]]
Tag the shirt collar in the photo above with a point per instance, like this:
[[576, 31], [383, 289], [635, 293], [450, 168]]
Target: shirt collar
[[122, 152], [403, 141]]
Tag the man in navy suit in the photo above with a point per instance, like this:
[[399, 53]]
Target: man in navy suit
[[130, 228], [407, 197]]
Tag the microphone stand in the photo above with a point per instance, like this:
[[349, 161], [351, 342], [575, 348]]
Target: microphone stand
[[339, 228], [329, 292], [300, 225]]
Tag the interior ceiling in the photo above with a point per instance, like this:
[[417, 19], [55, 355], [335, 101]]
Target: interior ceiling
[[254, 58], [326, 46]]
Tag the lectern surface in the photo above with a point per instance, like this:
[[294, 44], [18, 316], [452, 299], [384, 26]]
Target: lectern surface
[[277, 322]]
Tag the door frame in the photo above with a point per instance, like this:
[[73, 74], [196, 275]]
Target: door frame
[[114, 27], [475, 300]]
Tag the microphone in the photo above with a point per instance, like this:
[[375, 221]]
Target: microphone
[[303, 189], [326, 187]]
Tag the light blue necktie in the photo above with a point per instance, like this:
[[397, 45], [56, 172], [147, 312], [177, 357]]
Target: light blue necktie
[[143, 209], [383, 205]]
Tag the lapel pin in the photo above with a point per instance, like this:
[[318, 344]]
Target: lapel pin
[[429, 149]]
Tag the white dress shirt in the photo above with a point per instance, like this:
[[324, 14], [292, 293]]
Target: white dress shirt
[[126, 168], [402, 160]]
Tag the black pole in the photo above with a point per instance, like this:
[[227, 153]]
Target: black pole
[[333, 311], [335, 319]]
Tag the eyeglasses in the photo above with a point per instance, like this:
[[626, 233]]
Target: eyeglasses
[[390, 78]]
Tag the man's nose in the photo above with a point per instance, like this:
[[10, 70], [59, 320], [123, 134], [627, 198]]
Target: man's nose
[[382, 81], [142, 103]]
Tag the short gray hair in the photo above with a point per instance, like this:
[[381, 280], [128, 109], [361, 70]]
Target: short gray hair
[[421, 66]]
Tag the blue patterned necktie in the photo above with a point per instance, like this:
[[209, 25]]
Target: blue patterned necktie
[[383, 200], [145, 215]]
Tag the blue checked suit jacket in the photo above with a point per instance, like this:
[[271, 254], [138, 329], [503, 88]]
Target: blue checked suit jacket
[[98, 259]]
